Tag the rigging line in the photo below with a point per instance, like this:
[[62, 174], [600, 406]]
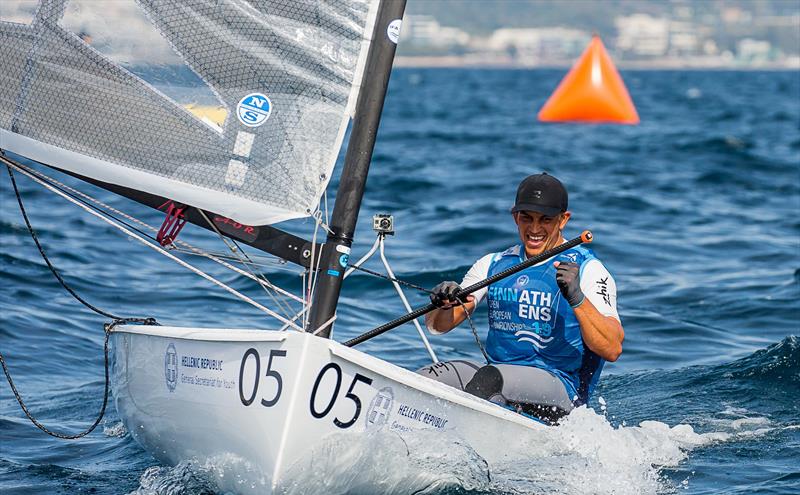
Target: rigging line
[[294, 318], [312, 272], [327, 216], [67, 189], [265, 262], [200, 252], [260, 278], [391, 279], [318, 218], [325, 325], [357, 266], [46, 259], [85, 303], [42, 427], [303, 286], [364, 258], [405, 301], [77, 195], [474, 332], [159, 249]]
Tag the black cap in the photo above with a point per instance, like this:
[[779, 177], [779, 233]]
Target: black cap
[[543, 193]]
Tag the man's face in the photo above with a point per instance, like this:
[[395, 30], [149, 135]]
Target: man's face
[[539, 232]]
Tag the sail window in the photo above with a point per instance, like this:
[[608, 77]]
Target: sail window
[[159, 96], [20, 12], [122, 32]]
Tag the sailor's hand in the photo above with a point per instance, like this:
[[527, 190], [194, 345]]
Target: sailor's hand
[[569, 281], [443, 296]]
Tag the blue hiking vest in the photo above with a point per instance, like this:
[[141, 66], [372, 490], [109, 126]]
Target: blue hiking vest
[[531, 324]]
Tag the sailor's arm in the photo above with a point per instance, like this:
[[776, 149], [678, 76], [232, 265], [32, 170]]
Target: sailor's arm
[[443, 320], [449, 316], [602, 334], [593, 297]]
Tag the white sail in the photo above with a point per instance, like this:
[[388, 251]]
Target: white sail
[[281, 78]]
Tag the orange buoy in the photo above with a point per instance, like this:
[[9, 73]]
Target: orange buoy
[[591, 92]]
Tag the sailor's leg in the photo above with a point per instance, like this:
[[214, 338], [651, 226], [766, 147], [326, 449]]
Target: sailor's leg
[[529, 390], [487, 384], [535, 391], [454, 373]]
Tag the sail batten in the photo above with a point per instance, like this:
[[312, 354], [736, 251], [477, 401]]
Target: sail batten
[[291, 67]]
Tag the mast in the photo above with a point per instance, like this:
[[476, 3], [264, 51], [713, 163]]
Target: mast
[[356, 166]]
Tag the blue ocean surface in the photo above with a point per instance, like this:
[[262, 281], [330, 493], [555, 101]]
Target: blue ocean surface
[[696, 212]]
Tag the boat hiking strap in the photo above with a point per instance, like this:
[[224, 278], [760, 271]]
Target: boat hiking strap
[[108, 219], [107, 328]]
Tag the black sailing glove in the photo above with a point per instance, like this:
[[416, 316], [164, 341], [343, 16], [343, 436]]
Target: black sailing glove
[[569, 281], [444, 295]]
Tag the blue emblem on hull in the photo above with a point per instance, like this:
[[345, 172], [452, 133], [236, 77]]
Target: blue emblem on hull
[[380, 407], [171, 367]]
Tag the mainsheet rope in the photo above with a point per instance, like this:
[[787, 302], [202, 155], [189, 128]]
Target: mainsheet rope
[[107, 330]]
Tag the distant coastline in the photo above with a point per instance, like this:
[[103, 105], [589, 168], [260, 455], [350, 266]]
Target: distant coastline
[[689, 63]]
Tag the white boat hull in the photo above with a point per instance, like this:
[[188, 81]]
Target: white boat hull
[[259, 404]]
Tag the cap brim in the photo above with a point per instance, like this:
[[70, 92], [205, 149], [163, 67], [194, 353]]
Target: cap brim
[[550, 211]]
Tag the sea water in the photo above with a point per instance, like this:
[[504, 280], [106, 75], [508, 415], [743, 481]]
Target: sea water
[[695, 211]]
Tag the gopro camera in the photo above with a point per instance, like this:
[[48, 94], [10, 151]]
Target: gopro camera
[[383, 223]]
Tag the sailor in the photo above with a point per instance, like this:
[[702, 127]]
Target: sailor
[[551, 326]]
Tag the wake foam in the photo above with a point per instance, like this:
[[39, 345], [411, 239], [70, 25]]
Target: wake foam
[[117, 430], [389, 462], [225, 473], [585, 454], [186, 478]]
